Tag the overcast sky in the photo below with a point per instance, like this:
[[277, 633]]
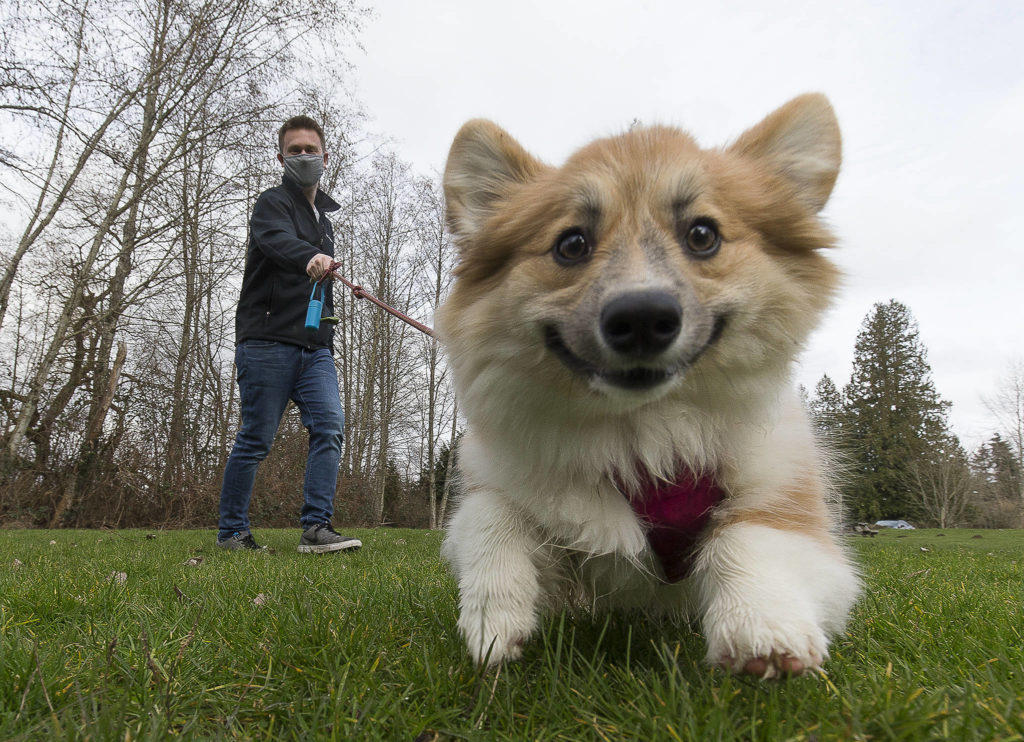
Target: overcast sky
[[929, 206]]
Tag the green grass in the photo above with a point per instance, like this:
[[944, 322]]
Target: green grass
[[364, 646]]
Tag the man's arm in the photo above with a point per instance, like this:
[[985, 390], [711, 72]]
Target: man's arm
[[273, 231]]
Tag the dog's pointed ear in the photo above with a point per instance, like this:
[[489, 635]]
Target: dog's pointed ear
[[483, 163], [800, 142]]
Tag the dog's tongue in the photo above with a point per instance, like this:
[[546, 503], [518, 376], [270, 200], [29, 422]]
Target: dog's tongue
[[677, 513]]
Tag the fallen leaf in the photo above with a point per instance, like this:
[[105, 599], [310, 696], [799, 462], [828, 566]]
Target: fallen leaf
[[16, 563], [260, 599], [194, 561], [119, 577], [53, 543]]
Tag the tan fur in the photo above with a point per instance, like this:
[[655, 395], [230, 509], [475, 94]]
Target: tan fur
[[546, 438]]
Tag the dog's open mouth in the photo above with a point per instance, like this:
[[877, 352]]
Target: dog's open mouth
[[638, 378]]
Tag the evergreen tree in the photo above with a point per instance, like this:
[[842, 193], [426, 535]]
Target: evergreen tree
[[392, 493], [999, 479], [826, 410], [1007, 404], [440, 466], [805, 399], [892, 418]]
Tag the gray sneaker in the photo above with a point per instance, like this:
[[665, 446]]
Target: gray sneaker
[[240, 541], [321, 538]]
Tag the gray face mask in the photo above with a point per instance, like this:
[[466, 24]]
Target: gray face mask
[[304, 169]]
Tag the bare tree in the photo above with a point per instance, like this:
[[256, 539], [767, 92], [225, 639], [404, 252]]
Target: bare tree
[[145, 137], [435, 272], [943, 489], [393, 211], [154, 121], [390, 239], [52, 103], [1007, 405]]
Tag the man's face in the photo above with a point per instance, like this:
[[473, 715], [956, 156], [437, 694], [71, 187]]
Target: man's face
[[300, 142]]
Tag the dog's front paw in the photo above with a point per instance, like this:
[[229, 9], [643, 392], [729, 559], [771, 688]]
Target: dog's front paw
[[767, 645], [491, 548], [770, 599], [494, 638]]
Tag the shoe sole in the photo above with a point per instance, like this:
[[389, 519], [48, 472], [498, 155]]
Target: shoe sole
[[352, 545]]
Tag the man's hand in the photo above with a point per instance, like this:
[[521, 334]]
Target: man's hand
[[318, 265]]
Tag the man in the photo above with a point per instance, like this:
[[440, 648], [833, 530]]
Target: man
[[276, 357]]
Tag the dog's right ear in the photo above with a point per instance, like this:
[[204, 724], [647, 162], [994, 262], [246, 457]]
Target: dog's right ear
[[483, 163], [800, 141]]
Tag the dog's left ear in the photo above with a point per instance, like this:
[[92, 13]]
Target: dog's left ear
[[483, 164], [800, 141]]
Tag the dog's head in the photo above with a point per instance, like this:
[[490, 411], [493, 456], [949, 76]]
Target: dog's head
[[645, 265]]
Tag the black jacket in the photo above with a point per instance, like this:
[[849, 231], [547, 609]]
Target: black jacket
[[283, 236]]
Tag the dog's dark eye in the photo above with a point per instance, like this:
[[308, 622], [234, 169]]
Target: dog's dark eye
[[702, 239], [572, 246]]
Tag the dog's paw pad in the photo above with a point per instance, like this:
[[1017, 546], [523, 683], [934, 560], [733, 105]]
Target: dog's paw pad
[[775, 665]]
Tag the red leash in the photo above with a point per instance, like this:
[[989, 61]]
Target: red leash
[[360, 293]]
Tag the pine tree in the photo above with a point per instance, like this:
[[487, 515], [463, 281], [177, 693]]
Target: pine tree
[[805, 399], [826, 410], [893, 418], [999, 480]]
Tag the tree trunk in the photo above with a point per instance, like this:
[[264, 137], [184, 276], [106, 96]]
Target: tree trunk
[[449, 470], [89, 446]]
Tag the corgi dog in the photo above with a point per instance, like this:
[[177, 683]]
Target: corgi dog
[[622, 332]]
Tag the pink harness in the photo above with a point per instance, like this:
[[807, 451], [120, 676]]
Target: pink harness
[[676, 514]]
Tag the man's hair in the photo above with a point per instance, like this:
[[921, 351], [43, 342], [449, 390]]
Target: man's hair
[[300, 122]]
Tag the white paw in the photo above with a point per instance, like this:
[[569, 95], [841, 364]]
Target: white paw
[[491, 552], [769, 645], [493, 638], [770, 600]]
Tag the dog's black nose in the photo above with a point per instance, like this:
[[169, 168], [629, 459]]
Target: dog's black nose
[[641, 323]]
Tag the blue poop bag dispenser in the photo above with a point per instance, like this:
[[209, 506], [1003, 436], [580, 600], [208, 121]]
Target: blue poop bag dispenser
[[316, 307]]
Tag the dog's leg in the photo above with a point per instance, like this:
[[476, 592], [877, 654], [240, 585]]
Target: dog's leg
[[491, 549], [771, 597]]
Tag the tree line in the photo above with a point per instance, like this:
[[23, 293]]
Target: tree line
[[896, 455], [137, 134]]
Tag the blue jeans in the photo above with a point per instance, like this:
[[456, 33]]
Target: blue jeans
[[269, 374]]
